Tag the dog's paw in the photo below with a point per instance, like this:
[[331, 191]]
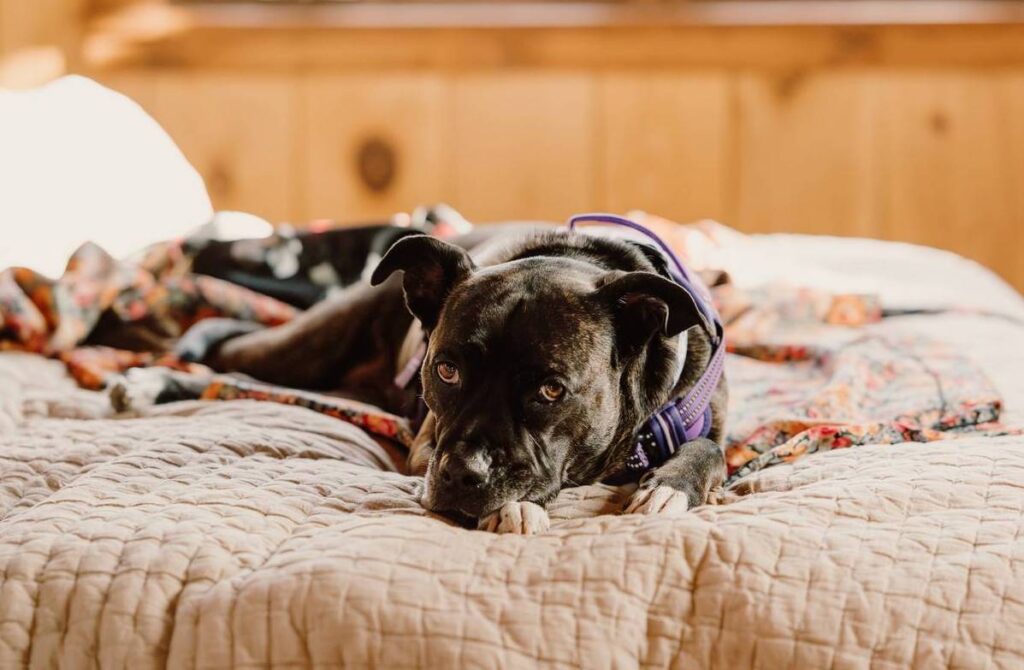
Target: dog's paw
[[137, 388], [517, 518], [658, 500]]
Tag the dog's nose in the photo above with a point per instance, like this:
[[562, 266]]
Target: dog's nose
[[471, 472]]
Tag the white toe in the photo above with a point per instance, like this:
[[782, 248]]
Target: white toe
[[637, 500], [137, 388], [658, 500], [517, 518]]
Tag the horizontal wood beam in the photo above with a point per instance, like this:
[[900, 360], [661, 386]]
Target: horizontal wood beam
[[187, 43], [418, 15]]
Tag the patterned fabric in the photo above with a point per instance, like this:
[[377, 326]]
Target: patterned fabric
[[806, 372], [156, 303], [153, 300], [367, 417], [91, 366], [788, 402]]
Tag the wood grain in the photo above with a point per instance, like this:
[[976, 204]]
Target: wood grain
[[898, 130], [25, 24], [524, 145], [8, 25], [946, 166], [588, 14], [804, 153], [39, 40], [769, 48], [1011, 263], [407, 112], [239, 132], [139, 85], [665, 142]]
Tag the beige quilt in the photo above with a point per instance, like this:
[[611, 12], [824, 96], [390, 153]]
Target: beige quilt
[[245, 534]]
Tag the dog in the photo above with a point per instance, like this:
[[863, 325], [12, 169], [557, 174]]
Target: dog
[[544, 354]]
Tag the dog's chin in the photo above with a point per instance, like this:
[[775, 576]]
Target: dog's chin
[[460, 506], [457, 508], [434, 500], [458, 518]]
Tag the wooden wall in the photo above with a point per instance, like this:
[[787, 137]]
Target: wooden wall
[[30, 23], [903, 132], [38, 39], [929, 156]]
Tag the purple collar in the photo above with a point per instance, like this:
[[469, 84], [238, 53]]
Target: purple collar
[[678, 421], [687, 418]]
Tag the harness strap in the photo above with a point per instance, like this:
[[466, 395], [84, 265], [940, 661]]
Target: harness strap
[[687, 418], [677, 270], [408, 373]]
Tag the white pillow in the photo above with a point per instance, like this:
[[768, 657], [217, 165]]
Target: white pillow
[[79, 162], [902, 275]]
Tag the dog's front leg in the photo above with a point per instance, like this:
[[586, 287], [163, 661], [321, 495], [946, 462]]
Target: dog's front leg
[[422, 448], [685, 481]]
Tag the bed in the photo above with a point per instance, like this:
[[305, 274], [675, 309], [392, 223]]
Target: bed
[[251, 534], [246, 534]]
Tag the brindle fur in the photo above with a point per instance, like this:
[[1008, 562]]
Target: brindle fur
[[519, 307]]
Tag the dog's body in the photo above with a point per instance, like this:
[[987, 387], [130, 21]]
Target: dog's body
[[546, 352]]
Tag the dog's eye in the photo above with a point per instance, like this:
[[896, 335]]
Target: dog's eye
[[551, 391], [448, 373]]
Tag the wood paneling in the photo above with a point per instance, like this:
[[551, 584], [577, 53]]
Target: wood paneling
[[310, 38], [619, 14], [238, 131], [902, 131], [1011, 265], [946, 166], [930, 157], [38, 40], [34, 23], [804, 156], [665, 143], [8, 27], [139, 85], [524, 145], [408, 113]]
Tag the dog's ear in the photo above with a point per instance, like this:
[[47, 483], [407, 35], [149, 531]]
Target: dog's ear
[[432, 268], [645, 304]]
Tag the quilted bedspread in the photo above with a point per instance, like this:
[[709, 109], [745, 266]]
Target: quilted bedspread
[[248, 534]]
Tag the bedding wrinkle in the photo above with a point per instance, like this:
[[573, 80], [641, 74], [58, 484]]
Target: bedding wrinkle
[[219, 533]]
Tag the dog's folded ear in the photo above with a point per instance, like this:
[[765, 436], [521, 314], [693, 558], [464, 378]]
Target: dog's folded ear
[[644, 304], [432, 269]]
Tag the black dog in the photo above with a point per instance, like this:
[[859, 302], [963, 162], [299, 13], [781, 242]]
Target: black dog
[[547, 352]]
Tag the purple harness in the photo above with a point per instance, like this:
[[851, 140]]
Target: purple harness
[[678, 421], [687, 418]]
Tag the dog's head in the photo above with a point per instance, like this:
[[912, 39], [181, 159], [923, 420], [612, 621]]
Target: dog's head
[[539, 370]]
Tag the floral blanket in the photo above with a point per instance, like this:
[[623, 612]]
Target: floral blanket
[[148, 303], [806, 372], [792, 400]]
